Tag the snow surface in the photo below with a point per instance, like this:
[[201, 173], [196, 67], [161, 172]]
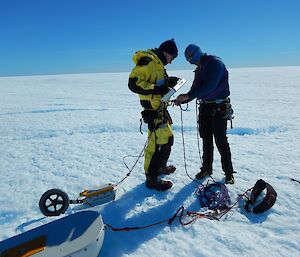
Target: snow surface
[[72, 132]]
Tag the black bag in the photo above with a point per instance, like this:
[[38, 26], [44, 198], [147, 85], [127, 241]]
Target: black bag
[[267, 202]]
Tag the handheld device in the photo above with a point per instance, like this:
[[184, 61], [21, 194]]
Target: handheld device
[[167, 96]]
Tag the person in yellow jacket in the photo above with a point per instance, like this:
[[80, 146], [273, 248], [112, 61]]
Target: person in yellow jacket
[[150, 81]]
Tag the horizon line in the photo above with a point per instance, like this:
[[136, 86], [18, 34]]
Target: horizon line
[[108, 72]]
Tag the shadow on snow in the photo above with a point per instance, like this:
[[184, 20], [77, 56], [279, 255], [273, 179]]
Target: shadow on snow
[[118, 243]]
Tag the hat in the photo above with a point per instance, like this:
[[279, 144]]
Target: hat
[[169, 47], [193, 53]]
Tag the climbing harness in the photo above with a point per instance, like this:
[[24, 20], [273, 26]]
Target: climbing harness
[[252, 203], [221, 107], [228, 112], [213, 196], [148, 117]]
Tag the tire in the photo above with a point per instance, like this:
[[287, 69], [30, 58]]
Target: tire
[[54, 202]]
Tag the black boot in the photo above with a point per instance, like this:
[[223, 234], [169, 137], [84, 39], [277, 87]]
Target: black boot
[[203, 173], [229, 179], [158, 184], [167, 170]]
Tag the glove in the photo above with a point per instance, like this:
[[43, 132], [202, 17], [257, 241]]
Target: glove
[[161, 82], [172, 81], [164, 90]]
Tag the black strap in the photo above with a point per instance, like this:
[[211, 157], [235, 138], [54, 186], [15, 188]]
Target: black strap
[[141, 124]]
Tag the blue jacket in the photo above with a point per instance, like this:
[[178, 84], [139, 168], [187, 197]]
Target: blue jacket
[[211, 80]]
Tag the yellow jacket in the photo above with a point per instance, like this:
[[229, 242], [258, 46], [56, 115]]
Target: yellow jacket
[[142, 80]]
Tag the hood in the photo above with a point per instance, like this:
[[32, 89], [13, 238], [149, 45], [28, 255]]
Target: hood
[[148, 53]]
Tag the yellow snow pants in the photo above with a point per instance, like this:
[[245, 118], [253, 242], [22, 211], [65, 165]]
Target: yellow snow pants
[[158, 149]]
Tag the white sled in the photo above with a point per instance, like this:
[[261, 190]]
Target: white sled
[[78, 235]]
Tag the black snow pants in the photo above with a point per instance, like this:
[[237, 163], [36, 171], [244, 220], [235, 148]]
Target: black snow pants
[[213, 124]]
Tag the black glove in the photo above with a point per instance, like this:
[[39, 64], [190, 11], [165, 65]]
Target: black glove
[[172, 81], [164, 89]]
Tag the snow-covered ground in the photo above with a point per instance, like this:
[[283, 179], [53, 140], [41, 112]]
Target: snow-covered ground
[[72, 132]]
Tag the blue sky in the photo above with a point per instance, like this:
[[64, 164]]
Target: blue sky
[[77, 36]]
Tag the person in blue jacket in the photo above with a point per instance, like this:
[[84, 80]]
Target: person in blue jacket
[[211, 88]]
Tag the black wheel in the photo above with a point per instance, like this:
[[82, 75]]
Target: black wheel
[[54, 202]]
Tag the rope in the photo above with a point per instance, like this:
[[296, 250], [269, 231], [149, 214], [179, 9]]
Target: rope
[[185, 217], [183, 144], [198, 130], [238, 199], [180, 214], [295, 180], [134, 228], [135, 163]]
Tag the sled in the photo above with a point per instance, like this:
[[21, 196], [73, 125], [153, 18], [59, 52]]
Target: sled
[[78, 235], [55, 201]]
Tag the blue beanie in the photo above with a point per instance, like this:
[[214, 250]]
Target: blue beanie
[[193, 53]]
